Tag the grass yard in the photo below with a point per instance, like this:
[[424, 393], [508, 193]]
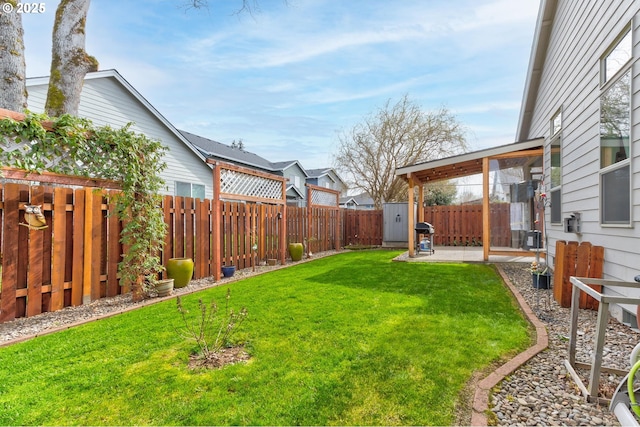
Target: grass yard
[[351, 339]]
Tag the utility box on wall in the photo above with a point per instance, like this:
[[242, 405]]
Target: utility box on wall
[[396, 224], [573, 224]]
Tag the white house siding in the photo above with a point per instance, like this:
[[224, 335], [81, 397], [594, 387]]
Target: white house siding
[[582, 32], [105, 101]]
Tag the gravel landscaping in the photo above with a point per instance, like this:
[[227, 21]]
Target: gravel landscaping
[[541, 392]]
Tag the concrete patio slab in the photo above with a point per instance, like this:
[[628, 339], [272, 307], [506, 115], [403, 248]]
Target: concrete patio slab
[[462, 254]]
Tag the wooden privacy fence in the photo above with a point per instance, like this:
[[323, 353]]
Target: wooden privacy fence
[[75, 259], [67, 263], [580, 260], [362, 227], [461, 225], [323, 219]]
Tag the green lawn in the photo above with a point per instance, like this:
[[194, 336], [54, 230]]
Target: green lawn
[[352, 339]]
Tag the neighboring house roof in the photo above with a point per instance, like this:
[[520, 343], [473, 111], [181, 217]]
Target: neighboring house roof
[[329, 172], [296, 190], [218, 150], [211, 148], [282, 166], [362, 199], [348, 200], [539, 48]]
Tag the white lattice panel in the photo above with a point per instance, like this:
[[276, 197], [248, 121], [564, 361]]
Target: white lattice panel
[[323, 198], [243, 184]]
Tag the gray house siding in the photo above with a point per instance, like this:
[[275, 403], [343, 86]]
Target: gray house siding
[[297, 178], [581, 33], [105, 101]]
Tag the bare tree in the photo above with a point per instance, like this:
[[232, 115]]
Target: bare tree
[[13, 90], [396, 135], [69, 60]]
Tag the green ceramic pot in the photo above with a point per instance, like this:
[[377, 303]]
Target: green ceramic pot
[[180, 270], [296, 250]]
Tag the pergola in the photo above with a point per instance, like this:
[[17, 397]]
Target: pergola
[[508, 156]]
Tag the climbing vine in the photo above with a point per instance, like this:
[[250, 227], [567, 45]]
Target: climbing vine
[[74, 146]]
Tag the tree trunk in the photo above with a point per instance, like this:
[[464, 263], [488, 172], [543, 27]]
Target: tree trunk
[[69, 60], [13, 89]]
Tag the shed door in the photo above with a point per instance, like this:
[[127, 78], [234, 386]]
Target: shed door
[[395, 216]]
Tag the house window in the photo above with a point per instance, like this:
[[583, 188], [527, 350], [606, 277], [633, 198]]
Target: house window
[[296, 181], [556, 169], [615, 132], [187, 189], [617, 57]]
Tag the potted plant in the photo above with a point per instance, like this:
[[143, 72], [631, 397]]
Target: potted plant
[[540, 276], [295, 251], [228, 270], [164, 287], [180, 270]]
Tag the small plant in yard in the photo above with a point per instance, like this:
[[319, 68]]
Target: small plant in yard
[[212, 332]]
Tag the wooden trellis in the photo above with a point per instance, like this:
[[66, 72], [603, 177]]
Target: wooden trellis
[[329, 200], [231, 182]]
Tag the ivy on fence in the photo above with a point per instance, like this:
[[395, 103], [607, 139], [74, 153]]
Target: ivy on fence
[[74, 146]]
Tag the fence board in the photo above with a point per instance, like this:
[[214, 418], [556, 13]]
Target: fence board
[[560, 293], [114, 248], [189, 228], [9, 253], [169, 213], [34, 275], [77, 274], [179, 213], [59, 249]]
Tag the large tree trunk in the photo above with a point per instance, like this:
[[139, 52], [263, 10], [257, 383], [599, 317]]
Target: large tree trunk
[[13, 89], [69, 61]]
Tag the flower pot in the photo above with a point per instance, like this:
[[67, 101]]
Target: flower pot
[[228, 270], [164, 287], [180, 270], [541, 280], [296, 250]]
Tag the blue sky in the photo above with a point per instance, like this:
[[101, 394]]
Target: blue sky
[[289, 78]]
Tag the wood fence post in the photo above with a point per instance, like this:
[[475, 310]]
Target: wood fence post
[[77, 274], [282, 227], [560, 294], [215, 224], [88, 246], [309, 220], [486, 214]]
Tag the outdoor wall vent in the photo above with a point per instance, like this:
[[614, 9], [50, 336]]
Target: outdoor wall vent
[[573, 224]]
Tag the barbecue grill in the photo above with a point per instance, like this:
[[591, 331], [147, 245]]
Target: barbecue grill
[[426, 242]]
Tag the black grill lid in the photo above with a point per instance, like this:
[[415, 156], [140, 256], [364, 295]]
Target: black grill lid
[[424, 227]]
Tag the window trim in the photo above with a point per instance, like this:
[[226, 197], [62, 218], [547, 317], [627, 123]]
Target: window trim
[[191, 185], [605, 171], [605, 80], [556, 135], [605, 85]]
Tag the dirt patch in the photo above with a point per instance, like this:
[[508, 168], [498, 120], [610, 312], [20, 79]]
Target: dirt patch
[[224, 357]]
